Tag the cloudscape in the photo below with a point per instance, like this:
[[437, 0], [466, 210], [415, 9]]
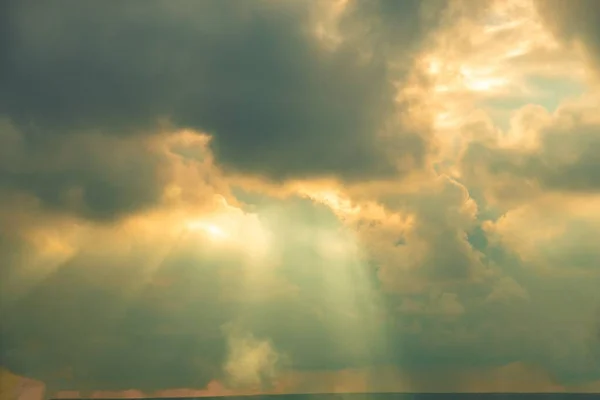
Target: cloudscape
[[291, 196]]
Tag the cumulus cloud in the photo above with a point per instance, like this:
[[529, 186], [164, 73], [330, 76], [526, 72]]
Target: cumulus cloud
[[251, 362], [507, 290], [562, 234], [432, 242], [537, 181], [255, 77], [545, 153]]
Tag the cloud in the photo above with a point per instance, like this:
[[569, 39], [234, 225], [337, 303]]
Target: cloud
[[491, 60], [574, 21], [251, 362], [273, 197], [507, 290], [537, 192], [255, 77], [95, 175], [140, 304], [51, 200], [561, 235], [545, 153], [431, 243], [122, 311]]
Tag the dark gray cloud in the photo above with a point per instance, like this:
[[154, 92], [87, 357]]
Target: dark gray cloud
[[253, 75], [574, 20], [93, 175], [393, 28]]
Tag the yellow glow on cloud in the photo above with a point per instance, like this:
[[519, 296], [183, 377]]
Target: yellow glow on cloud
[[215, 231], [151, 236], [535, 230], [334, 199], [232, 227], [326, 22], [49, 247], [52, 247], [482, 81], [491, 56], [434, 67], [211, 230]]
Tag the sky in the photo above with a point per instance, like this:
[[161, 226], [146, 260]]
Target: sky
[[288, 196]]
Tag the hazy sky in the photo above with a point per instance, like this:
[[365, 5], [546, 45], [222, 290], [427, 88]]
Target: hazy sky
[[239, 196]]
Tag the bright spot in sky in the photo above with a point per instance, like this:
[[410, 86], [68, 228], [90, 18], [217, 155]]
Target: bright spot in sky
[[235, 230], [434, 67], [215, 231], [481, 79], [211, 230], [480, 85]]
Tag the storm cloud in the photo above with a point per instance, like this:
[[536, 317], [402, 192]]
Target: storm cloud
[[276, 100]]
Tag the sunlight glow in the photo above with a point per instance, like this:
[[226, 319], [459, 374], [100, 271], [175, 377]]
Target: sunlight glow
[[434, 67], [235, 229], [213, 231], [338, 203], [481, 79], [326, 29], [507, 55]]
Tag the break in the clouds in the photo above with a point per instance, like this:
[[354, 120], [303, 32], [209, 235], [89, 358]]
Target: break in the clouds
[[223, 197]]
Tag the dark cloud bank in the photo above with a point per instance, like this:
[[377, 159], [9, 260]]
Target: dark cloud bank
[[253, 74]]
